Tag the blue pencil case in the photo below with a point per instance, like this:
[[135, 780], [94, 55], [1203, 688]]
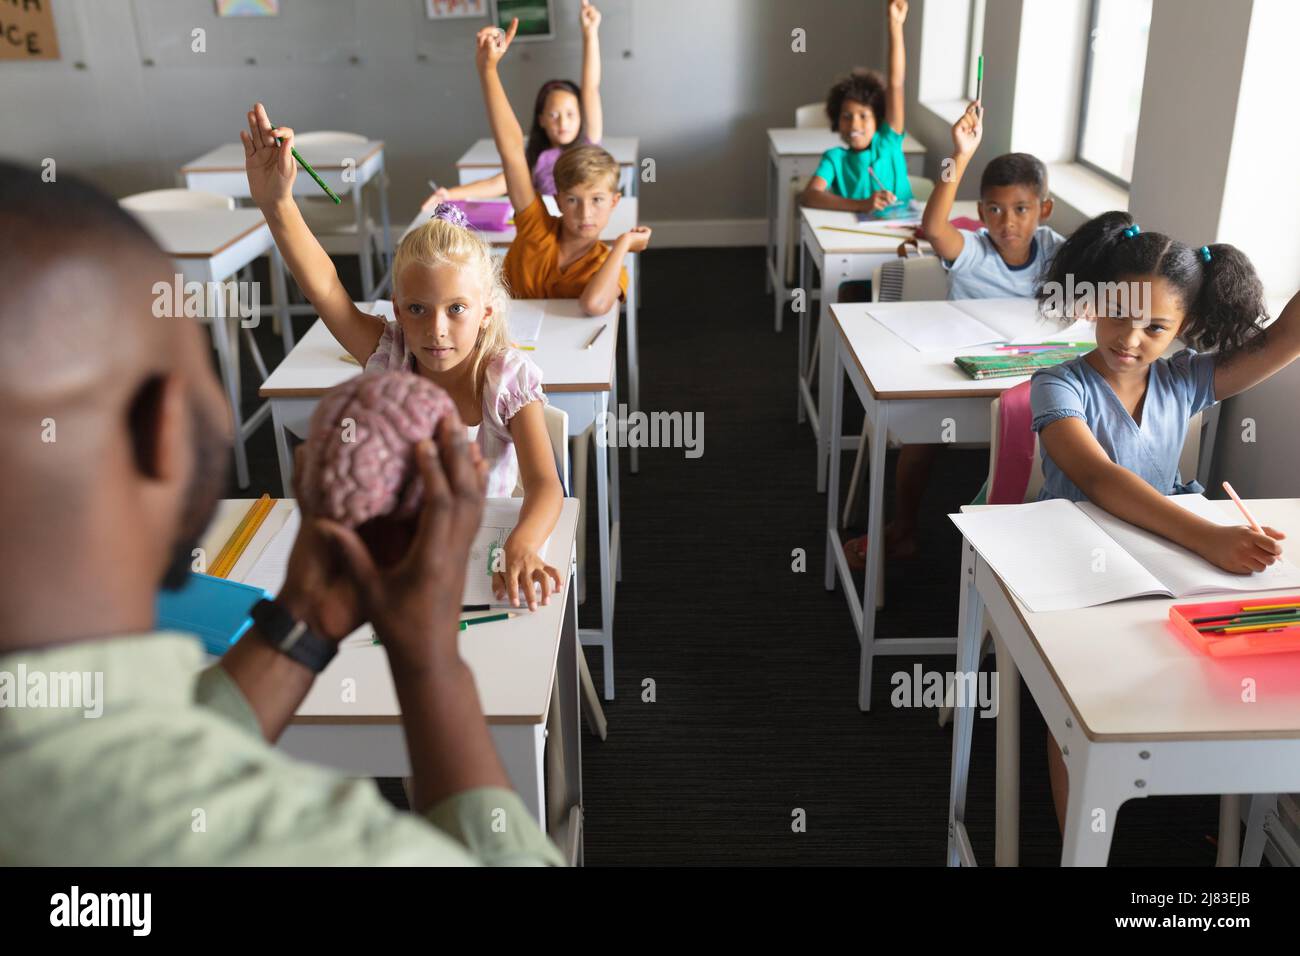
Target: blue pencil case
[[213, 609]]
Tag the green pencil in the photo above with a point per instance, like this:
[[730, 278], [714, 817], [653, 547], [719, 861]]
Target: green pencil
[[484, 620], [979, 78], [311, 172]]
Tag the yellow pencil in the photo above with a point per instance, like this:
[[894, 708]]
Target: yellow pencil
[[235, 545], [1270, 607], [867, 232]]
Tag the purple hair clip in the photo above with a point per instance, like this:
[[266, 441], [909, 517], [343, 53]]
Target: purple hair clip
[[450, 212]]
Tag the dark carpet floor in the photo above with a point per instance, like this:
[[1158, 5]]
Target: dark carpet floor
[[755, 665]]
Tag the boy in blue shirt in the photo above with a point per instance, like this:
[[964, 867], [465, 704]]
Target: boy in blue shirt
[[1004, 259], [868, 172]]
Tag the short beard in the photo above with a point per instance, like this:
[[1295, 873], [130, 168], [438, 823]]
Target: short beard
[[211, 469]]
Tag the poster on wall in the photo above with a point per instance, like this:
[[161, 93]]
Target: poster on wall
[[27, 31], [535, 17], [451, 9], [248, 8]]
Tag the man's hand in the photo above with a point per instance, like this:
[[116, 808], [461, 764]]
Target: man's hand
[[414, 601]]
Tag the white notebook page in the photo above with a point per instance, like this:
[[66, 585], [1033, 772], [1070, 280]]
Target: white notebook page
[[1184, 572], [1054, 557]]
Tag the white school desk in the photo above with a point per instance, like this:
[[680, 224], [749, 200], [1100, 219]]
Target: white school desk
[[482, 160], [208, 246], [839, 257], [222, 171], [580, 381], [794, 154], [622, 219], [907, 395], [1137, 710], [522, 667]]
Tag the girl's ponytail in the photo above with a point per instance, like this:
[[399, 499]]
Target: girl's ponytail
[[1226, 312]]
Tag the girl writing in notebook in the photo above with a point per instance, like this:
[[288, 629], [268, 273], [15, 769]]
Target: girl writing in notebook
[[1111, 423], [451, 328], [564, 115]]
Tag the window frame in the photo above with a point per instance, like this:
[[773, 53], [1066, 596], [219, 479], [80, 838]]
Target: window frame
[[1094, 8]]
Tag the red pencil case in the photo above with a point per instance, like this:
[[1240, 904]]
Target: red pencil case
[[1235, 645]]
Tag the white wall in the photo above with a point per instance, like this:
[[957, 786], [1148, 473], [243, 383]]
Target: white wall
[[700, 83]]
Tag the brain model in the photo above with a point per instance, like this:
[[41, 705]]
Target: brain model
[[358, 460]]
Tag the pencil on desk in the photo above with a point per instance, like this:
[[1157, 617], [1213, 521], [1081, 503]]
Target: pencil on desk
[[1240, 504], [865, 232], [592, 341], [234, 547]]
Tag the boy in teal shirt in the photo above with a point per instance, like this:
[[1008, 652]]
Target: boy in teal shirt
[[868, 115]]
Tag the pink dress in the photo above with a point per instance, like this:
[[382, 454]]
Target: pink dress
[[510, 382], [544, 168]]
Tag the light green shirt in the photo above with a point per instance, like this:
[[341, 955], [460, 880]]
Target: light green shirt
[[175, 771]]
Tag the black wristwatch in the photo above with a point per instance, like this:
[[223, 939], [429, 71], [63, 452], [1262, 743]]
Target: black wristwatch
[[292, 637]]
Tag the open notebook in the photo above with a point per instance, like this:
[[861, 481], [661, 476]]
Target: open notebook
[[1059, 555], [962, 323], [499, 518]]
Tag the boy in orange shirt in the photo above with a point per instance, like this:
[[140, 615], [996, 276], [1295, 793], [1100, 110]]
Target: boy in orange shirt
[[556, 257]]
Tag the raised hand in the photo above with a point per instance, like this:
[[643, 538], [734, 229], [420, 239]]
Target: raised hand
[[897, 12], [589, 17], [269, 165], [492, 44], [638, 238], [968, 131]]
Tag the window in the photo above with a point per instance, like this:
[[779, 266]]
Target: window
[[1114, 66], [951, 37], [975, 47]]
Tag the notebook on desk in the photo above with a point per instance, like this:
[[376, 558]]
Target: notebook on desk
[[964, 323], [1060, 555], [499, 519]]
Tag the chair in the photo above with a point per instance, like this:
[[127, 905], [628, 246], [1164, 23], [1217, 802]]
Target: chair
[[810, 116], [175, 199], [922, 186], [340, 229], [227, 358]]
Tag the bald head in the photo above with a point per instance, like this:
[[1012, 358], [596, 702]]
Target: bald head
[[114, 424]]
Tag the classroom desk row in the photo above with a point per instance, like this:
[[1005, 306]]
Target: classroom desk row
[[1138, 711], [581, 381], [842, 250], [525, 669], [792, 155]]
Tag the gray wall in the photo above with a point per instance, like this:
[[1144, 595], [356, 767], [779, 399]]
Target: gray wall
[[699, 83]]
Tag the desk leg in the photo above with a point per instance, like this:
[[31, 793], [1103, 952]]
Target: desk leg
[[227, 345], [633, 357], [1092, 802], [383, 219], [823, 384], [615, 526], [971, 619], [875, 533], [803, 333], [363, 245], [1007, 826], [282, 448], [564, 738], [280, 299], [781, 193], [833, 492], [606, 634], [521, 748]]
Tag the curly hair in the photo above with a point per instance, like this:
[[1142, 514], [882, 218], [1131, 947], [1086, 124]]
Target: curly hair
[[1222, 296], [860, 86]]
